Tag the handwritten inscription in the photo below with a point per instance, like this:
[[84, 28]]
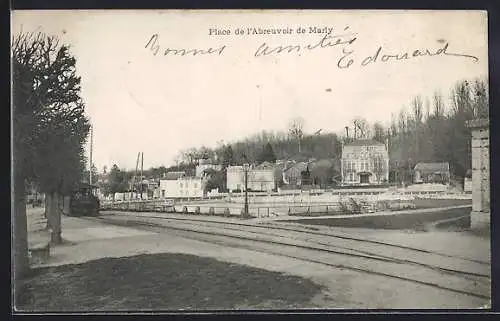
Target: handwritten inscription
[[347, 57], [156, 49], [328, 40], [381, 55]]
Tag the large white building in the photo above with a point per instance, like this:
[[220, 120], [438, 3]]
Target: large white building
[[365, 162], [178, 185], [260, 178]]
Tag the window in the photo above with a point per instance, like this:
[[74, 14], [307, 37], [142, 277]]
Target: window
[[162, 193], [195, 185], [181, 184]]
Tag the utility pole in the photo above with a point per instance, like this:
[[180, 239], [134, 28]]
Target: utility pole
[[90, 162], [245, 169], [246, 192], [132, 187], [142, 168]]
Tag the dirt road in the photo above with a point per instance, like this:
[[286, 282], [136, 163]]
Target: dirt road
[[357, 274]]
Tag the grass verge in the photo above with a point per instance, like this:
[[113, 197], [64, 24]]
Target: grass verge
[[392, 222], [162, 282]]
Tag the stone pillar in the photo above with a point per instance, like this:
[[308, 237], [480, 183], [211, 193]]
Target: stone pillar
[[481, 211]]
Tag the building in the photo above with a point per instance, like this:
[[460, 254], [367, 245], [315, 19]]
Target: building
[[364, 162], [432, 173], [260, 178], [481, 210], [293, 173], [178, 185], [204, 164]]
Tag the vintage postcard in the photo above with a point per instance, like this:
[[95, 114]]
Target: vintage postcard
[[177, 160]]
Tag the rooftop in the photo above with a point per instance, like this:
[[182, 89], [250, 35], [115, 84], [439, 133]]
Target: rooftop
[[365, 142], [432, 167], [301, 166], [174, 175]]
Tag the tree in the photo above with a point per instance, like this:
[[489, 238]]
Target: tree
[[49, 130], [267, 154], [321, 172], [361, 128], [296, 130], [86, 175], [379, 166], [379, 132], [215, 180], [227, 157], [117, 182], [481, 98]]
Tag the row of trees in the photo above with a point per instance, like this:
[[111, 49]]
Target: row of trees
[[49, 132], [431, 129]]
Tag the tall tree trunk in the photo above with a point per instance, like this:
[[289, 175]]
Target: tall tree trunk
[[19, 234], [48, 204], [54, 217]]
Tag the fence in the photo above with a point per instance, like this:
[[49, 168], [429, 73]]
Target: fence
[[349, 205], [330, 203]]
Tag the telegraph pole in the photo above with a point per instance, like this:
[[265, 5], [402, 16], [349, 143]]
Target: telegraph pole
[[246, 167], [142, 168], [90, 162]]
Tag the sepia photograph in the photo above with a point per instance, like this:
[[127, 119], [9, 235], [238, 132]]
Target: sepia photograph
[[249, 160]]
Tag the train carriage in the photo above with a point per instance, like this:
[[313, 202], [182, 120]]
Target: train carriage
[[84, 202]]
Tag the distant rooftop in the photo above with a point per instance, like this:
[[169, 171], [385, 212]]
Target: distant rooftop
[[265, 165], [365, 142], [174, 175], [301, 166], [432, 167]]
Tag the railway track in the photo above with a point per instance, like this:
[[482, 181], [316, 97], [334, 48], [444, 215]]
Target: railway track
[[321, 249], [296, 228]]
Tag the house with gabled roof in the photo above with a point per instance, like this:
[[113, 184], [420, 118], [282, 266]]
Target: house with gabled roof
[[364, 162], [432, 173]]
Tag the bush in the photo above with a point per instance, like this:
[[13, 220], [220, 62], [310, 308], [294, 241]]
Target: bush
[[356, 207], [382, 205], [344, 208]]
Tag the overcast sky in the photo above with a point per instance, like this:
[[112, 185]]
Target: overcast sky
[[161, 104]]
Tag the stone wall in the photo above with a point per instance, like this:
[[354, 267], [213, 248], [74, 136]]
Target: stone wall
[[481, 211]]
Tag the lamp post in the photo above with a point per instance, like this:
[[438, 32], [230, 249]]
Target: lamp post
[[246, 167]]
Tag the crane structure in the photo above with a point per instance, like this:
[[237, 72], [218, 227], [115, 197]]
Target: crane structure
[[133, 184]]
